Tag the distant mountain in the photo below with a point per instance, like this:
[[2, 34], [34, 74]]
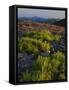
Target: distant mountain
[[60, 22], [38, 19]]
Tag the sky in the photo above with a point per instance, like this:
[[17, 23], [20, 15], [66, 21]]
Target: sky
[[25, 12]]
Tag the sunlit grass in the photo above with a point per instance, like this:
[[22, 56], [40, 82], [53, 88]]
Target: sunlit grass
[[50, 67]]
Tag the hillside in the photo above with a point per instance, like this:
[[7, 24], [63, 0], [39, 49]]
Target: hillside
[[38, 19], [31, 26], [60, 23]]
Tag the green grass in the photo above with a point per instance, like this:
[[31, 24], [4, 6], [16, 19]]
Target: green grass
[[33, 45], [51, 67], [44, 34], [45, 69]]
